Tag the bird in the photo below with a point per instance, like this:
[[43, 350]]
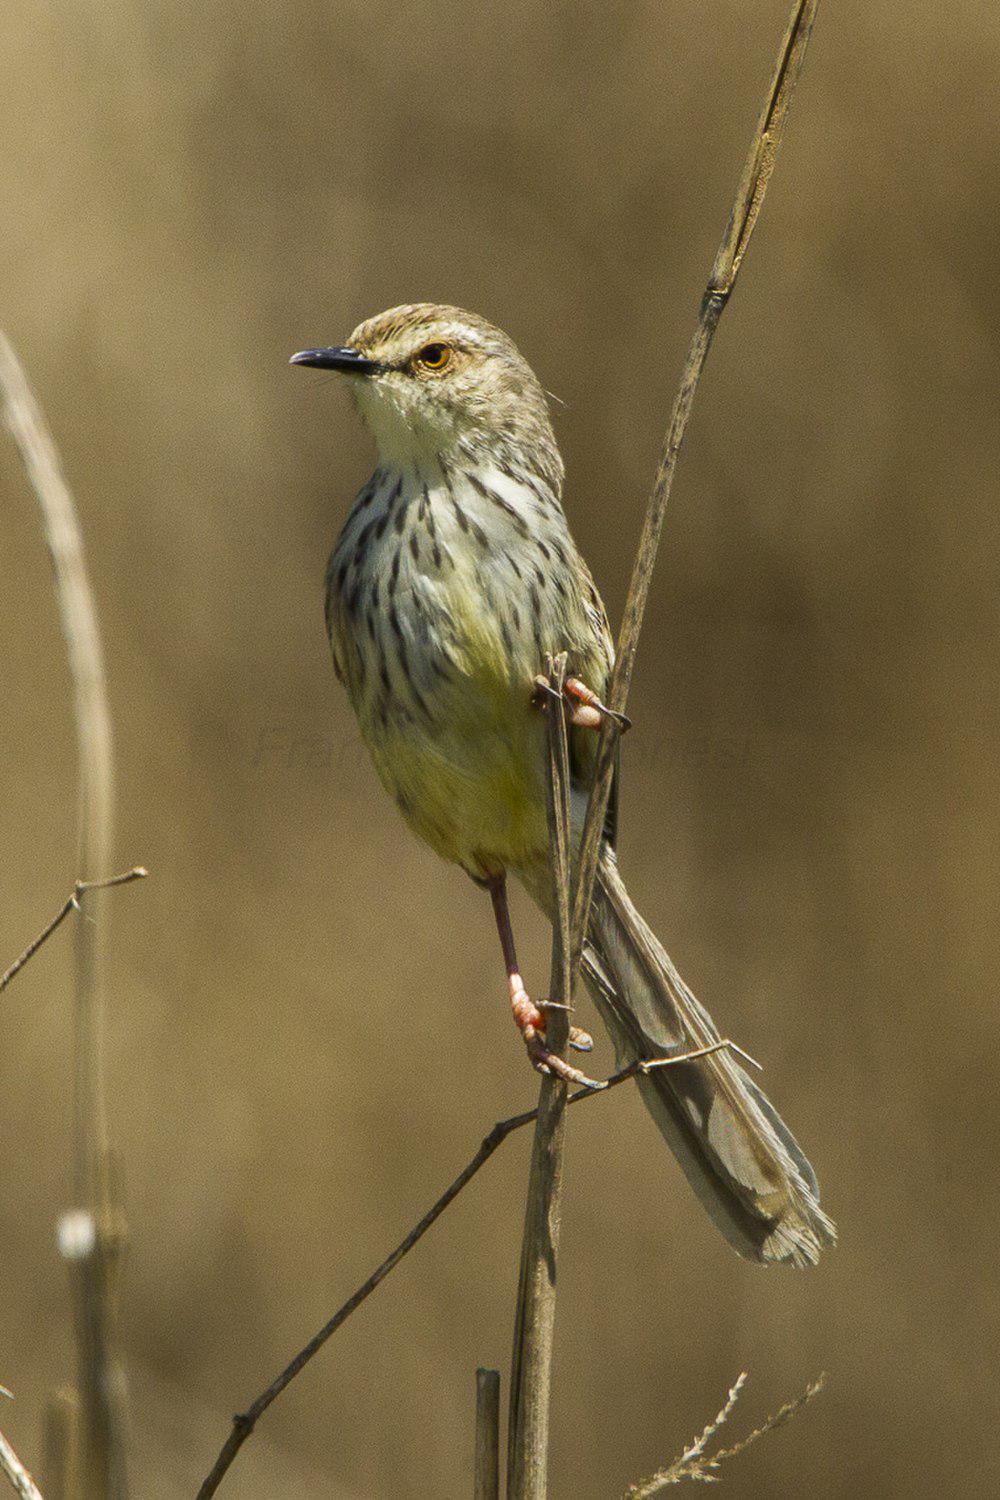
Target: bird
[[454, 580]]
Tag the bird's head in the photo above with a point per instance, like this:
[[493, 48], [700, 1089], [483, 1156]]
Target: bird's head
[[439, 384]]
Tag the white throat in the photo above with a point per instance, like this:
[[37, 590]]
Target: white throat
[[406, 438]]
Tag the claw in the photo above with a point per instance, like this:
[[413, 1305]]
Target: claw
[[529, 1017], [544, 1061], [541, 689], [579, 1040], [530, 1020]]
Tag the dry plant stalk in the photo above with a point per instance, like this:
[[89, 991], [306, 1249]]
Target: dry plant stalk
[[527, 1438], [534, 1326], [97, 1252], [487, 1460]]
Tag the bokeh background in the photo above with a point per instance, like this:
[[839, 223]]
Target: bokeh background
[[308, 1028]]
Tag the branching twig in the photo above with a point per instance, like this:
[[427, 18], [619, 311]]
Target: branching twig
[[94, 1276], [72, 903], [245, 1422], [693, 1464]]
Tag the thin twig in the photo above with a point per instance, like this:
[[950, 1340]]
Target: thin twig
[[245, 1422], [746, 208], [531, 1366], [72, 903], [14, 1470], [487, 1470], [94, 1279]]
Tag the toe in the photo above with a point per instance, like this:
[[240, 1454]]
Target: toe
[[580, 1040]]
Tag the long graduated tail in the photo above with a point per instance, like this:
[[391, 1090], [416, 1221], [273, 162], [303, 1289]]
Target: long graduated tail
[[737, 1153]]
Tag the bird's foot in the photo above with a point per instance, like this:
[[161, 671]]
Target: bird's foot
[[579, 1040], [586, 701], [586, 709], [530, 1021]]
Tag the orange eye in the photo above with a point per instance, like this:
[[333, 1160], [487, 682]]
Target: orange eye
[[433, 357]]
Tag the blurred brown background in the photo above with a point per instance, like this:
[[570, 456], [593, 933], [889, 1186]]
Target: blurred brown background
[[190, 193]]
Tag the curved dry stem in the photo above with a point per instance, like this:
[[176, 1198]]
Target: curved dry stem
[[93, 1280]]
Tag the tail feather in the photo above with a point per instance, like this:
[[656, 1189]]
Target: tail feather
[[736, 1151]]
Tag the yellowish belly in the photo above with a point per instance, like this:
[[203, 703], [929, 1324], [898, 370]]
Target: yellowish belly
[[471, 782]]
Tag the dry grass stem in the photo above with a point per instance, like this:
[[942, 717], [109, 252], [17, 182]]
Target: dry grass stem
[[94, 1276], [93, 729], [693, 1463]]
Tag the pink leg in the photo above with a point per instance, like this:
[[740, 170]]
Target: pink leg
[[586, 709], [587, 702], [529, 1017]]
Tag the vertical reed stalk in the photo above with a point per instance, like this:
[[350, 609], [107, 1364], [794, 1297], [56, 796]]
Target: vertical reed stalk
[[531, 1372], [90, 1235]]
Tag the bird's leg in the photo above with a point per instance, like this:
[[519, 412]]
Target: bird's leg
[[529, 1017], [586, 701], [586, 709]]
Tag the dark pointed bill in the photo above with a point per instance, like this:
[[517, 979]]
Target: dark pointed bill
[[348, 361]]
